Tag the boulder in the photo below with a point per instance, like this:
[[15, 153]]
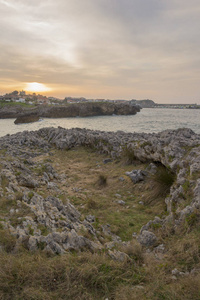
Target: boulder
[[29, 118]]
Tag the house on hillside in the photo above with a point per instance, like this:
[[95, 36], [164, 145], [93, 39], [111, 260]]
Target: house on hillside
[[20, 100]]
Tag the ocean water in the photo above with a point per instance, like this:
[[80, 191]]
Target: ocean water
[[147, 120]]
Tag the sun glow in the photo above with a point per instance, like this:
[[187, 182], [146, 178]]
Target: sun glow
[[36, 87]]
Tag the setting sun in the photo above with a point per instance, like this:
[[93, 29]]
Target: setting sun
[[36, 87]]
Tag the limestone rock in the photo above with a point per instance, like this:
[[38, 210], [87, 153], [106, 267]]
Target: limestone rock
[[147, 238], [27, 181], [136, 175]]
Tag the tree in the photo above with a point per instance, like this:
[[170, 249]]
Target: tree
[[15, 93]]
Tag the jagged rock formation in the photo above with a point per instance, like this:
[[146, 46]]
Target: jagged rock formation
[[178, 150]]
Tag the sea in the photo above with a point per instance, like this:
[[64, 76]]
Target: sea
[[148, 120]]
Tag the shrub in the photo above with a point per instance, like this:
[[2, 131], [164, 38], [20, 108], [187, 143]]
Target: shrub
[[193, 219], [91, 204], [160, 184], [102, 180], [4, 181], [7, 240], [19, 196], [44, 229], [134, 250], [30, 195], [163, 179], [128, 155]]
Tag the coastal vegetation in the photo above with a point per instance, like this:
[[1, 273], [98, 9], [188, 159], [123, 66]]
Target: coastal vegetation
[[117, 218]]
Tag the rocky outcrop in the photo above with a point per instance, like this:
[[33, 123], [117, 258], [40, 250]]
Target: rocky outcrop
[[70, 110], [27, 118], [145, 103], [177, 150], [88, 109], [15, 111]]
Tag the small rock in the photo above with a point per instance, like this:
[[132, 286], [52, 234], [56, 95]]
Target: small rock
[[90, 218], [136, 175], [121, 202], [107, 160], [118, 255], [175, 272], [147, 238], [121, 179], [151, 168], [118, 195], [12, 211], [52, 185], [110, 245], [160, 249]]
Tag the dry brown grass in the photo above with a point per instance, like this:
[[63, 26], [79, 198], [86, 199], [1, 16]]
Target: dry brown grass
[[83, 276], [134, 250], [96, 276], [102, 180], [83, 168]]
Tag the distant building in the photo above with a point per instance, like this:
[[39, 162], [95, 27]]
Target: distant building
[[20, 100]]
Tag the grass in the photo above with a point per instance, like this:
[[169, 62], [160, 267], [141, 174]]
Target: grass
[[6, 205], [39, 170], [102, 180], [4, 103], [7, 241], [161, 183], [164, 179], [98, 184], [44, 229], [128, 155], [84, 275], [91, 276], [4, 182]]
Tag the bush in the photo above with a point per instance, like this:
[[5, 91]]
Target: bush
[[128, 155], [91, 204], [161, 183], [102, 180], [7, 241], [134, 250]]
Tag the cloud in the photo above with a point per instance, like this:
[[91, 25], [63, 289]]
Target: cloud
[[102, 48]]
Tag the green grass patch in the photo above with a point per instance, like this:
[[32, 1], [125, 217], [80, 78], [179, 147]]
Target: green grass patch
[[44, 229]]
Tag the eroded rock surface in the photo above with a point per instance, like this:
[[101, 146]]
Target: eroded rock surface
[[55, 226]]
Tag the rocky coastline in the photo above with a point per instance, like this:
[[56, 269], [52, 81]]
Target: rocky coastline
[[40, 215], [70, 110], [177, 150]]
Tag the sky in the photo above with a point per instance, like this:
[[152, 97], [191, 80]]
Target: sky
[[111, 49]]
